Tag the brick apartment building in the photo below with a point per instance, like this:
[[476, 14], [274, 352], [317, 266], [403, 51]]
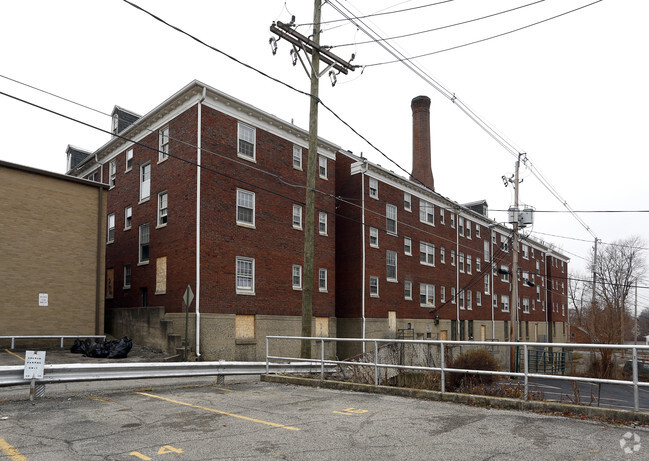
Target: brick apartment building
[[52, 247], [207, 191]]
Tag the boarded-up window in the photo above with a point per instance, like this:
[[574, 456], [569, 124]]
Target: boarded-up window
[[161, 276], [244, 327], [110, 283], [322, 327], [392, 323]]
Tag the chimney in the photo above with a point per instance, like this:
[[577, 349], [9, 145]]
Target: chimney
[[421, 170]]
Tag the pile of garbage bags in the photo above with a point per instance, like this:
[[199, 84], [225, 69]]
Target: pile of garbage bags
[[115, 349]]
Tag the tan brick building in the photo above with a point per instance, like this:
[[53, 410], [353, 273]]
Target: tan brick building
[[52, 253]]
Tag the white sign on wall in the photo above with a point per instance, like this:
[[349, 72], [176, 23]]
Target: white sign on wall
[[43, 299]]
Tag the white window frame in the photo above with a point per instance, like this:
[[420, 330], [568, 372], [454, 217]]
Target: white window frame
[[504, 276], [526, 305], [426, 212], [469, 264], [144, 239], [244, 289], [453, 295], [407, 201], [468, 229], [391, 265], [374, 286], [374, 237], [296, 277], [477, 230], [426, 295], [487, 250], [322, 280], [452, 257], [297, 157], [478, 298], [442, 294], [245, 201], [145, 182], [407, 290], [247, 135], [110, 232], [461, 262], [442, 212], [112, 173], [469, 300], [297, 217], [452, 220], [442, 255], [487, 284], [426, 254], [322, 167], [504, 303], [322, 223], [461, 299], [163, 144], [373, 188], [128, 163], [163, 208], [407, 246], [478, 265], [460, 225], [128, 217], [526, 251], [391, 219]]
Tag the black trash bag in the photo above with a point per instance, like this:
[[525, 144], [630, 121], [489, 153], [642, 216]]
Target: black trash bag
[[76, 347], [87, 347], [121, 348]]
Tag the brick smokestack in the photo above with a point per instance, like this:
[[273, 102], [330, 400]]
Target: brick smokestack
[[421, 169]]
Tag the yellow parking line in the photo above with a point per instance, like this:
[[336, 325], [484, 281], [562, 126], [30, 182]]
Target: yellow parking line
[[15, 355], [220, 412], [223, 389], [11, 452]]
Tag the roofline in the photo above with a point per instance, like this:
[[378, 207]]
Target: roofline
[[51, 174]]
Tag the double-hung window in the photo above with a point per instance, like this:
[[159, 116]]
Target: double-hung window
[[163, 144], [461, 262], [504, 303], [127, 276], [297, 277], [426, 212], [297, 157], [407, 201], [460, 225], [110, 236], [112, 173], [145, 181], [441, 216], [468, 264], [128, 217], [426, 295], [297, 217], [245, 208], [322, 223], [391, 265], [162, 208], [427, 254], [129, 160], [407, 290], [407, 246], [246, 136], [374, 188], [322, 167], [391, 218], [374, 286], [442, 255], [486, 284], [245, 275], [452, 257], [374, 237], [468, 229], [322, 280], [144, 244]]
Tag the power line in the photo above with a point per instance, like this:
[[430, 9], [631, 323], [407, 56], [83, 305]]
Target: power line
[[483, 39], [395, 37]]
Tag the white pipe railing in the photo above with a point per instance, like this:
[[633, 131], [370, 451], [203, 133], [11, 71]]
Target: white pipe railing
[[61, 337]]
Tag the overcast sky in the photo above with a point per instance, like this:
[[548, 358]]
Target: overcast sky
[[572, 92]]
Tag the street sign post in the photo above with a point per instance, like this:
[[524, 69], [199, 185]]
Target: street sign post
[[188, 297]]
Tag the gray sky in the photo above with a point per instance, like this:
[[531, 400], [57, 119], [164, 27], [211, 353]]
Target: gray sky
[[570, 92]]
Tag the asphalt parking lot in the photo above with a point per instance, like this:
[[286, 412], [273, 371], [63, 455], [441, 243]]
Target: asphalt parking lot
[[248, 419]]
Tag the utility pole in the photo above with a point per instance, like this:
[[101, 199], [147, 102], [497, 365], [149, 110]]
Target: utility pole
[[310, 47], [594, 274]]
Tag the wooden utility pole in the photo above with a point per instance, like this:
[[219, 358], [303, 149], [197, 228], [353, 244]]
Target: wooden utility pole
[[310, 46]]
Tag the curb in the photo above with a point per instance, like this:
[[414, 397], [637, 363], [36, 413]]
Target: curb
[[467, 399]]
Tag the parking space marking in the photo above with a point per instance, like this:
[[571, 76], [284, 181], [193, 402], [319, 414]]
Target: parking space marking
[[351, 411], [246, 418], [11, 452], [223, 389], [15, 355]]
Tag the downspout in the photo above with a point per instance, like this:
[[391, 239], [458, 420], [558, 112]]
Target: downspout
[[548, 332], [493, 291], [363, 249], [457, 275], [100, 245], [198, 227]]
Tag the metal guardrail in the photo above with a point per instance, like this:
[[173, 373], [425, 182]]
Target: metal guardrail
[[71, 372], [443, 369], [61, 337]]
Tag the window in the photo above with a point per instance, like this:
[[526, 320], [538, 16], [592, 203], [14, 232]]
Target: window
[[486, 284], [374, 237], [460, 225], [504, 243], [426, 212], [461, 262], [461, 298], [391, 265], [538, 268], [526, 305], [245, 276], [163, 144], [407, 201], [322, 167], [442, 294], [407, 290], [127, 276], [94, 176], [407, 246], [374, 188], [110, 236], [468, 229], [526, 251], [297, 157], [563, 289], [452, 257], [441, 215], [246, 142], [494, 238], [245, 208], [129, 159], [144, 244], [374, 286], [538, 293], [504, 303], [297, 277], [477, 230], [112, 169], [322, 223], [442, 255], [469, 300], [297, 217], [452, 295], [391, 218], [486, 250], [145, 181], [128, 217], [426, 295], [162, 208], [427, 254], [453, 220], [478, 298], [468, 264], [478, 265], [322, 280], [504, 272]]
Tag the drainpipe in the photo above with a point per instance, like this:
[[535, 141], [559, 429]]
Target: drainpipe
[[197, 300], [493, 291], [363, 249], [548, 332], [457, 275]]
